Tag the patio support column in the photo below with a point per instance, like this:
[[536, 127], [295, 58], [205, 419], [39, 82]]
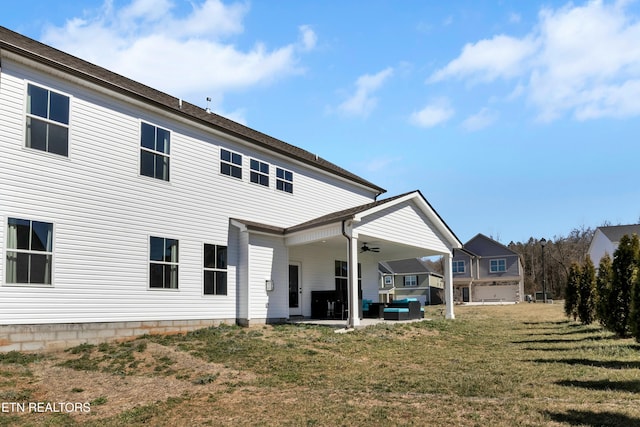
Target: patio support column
[[354, 309], [448, 285]]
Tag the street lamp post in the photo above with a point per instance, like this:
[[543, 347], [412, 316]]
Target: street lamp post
[[543, 243]]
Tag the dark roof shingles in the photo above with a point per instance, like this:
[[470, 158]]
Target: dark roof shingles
[[42, 53]]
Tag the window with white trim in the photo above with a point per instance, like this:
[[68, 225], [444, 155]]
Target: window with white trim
[[411, 280], [259, 172], [498, 265], [458, 266], [215, 269], [230, 163], [47, 120], [29, 252], [154, 151], [284, 180], [163, 263]]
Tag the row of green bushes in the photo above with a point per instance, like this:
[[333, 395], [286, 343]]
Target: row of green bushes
[[612, 295]]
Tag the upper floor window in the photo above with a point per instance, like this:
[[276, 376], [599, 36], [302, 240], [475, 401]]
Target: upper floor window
[[29, 252], [163, 263], [411, 280], [154, 151], [215, 269], [47, 121], [458, 266], [230, 163], [259, 172], [498, 265], [284, 180]]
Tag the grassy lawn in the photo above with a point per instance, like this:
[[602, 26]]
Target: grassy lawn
[[515, 365]]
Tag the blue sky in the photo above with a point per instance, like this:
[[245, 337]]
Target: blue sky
[[515, 119]]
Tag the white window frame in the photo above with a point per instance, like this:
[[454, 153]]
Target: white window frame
[[155, 152], [29, 252], [258, 172], [495, 268], [410, 281], [215, 269], [231, 163], [283, 180], [47, 120], [456, 266], [175, 264]]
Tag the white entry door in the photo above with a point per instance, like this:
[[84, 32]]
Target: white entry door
[[295, 290]]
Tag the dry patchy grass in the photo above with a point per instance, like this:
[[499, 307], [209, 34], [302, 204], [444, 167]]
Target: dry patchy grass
[[493, 366]]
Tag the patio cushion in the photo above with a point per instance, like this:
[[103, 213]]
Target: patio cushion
[[396, 310]]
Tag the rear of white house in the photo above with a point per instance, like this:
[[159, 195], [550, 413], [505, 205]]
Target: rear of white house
[[124, 210]]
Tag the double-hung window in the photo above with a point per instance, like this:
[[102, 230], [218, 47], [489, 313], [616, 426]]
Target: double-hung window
[[215, 269], [284, 180], [47, 121], [154, 151], [259, 172], [29, 252], [411, 280], [230, 163], [163, 263], [458, 266], [498, 265]]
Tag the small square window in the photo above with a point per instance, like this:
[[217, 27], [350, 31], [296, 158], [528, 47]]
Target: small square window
[[284, 180], [230, 163], [498, 265], [259, 172]]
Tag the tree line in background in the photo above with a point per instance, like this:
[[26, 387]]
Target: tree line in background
[[552, 261], [610, 296]]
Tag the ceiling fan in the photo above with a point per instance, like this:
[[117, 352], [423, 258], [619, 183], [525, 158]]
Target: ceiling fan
[[366, 248]]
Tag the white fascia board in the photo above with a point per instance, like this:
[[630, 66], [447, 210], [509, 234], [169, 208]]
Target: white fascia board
[[424, 207]]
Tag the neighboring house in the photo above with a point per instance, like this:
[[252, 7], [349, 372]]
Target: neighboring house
[[127, 211], [487, 271], [605, 240], [410, 278]]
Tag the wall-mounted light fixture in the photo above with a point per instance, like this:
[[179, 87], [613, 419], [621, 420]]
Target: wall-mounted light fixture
[[268, 285]]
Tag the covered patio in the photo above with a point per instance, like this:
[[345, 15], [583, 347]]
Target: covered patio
[[334, 253]]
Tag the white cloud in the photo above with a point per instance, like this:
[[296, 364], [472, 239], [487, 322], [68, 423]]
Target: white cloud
[[487, 60], [578, 60], [362, 102], [188, 55], [435, 113], [480, 120], [309, 37]]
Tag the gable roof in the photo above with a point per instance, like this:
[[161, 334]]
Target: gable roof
[[615, 232], [477, 250], [354, 213], [405, 266], [18, 44]]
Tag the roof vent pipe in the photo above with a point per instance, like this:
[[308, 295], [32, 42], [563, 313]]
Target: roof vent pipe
[[180, 103], [208, 101]]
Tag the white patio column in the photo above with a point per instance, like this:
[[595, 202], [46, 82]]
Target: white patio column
[[354, 309], [448, 285]]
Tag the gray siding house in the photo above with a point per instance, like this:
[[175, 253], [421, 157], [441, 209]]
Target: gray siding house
[[487, 271], [410, 278]]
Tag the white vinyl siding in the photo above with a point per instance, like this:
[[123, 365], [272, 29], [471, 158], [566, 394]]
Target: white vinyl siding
[[104, 212]]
